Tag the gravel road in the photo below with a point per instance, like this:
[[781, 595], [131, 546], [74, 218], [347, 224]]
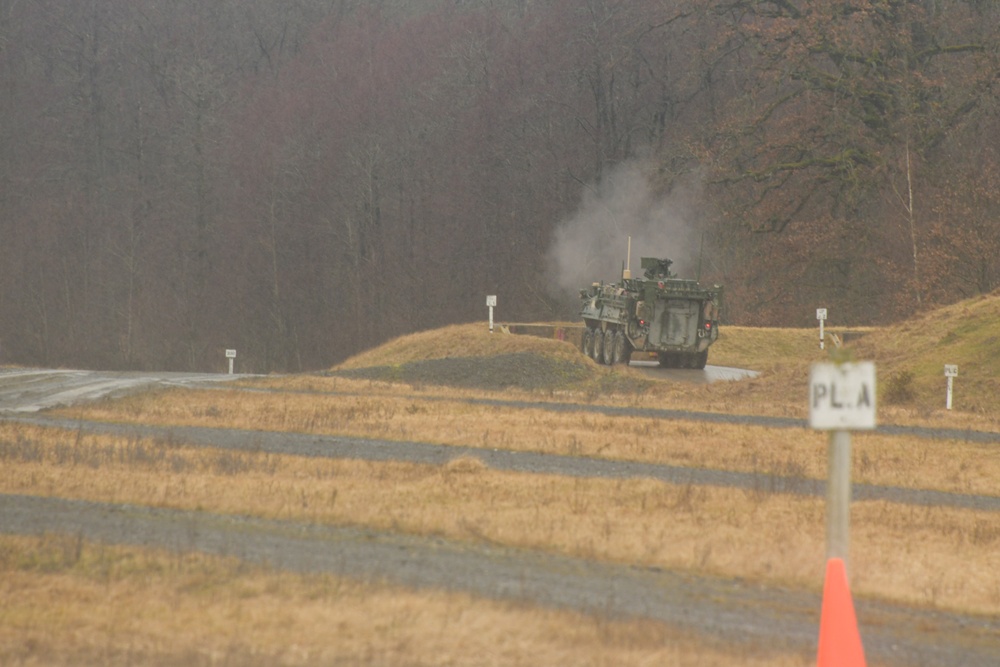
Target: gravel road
[[25, 390]]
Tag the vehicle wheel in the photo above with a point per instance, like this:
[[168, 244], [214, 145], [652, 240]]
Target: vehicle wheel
[[622, 349], [668, 360], [609, 347], [701, 360], [597, 348], [586, 340]]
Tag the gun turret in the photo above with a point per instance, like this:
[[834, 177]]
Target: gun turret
[[657, 269]]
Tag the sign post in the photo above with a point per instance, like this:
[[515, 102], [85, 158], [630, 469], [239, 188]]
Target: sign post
[[491, 302], [231, 356], [821, 316], [950, 372], [841, 399]]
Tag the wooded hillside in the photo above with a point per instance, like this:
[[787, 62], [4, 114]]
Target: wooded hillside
[[303, 179]]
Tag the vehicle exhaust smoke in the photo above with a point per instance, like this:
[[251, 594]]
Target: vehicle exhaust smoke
[[592, 244]]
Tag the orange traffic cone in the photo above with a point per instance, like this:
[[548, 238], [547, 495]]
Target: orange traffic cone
[[839, 640]]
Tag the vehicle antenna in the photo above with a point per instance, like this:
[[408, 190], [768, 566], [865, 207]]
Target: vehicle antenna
[[627, 264], [701, 253]]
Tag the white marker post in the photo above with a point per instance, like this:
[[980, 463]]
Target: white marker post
[[821, 316], [841, 399], [950, 372], [491, 302], [230, 355]]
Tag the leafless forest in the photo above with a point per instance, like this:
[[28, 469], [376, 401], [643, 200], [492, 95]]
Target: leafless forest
[[301, 179]]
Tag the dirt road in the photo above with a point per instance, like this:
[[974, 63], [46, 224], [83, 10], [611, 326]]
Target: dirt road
[[31, 390]]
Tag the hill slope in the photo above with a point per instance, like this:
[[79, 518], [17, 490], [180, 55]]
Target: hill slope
[[469, 356], [911, 355], [910, 358]]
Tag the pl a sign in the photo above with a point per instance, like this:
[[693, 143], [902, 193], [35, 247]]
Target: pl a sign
[[841, 399], [842, 396]]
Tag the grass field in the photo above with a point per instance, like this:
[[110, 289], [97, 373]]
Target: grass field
[[63, 598], [71, 603]]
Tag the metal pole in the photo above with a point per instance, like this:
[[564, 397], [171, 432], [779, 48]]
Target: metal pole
[[822, 342], [491, 319], [838, 496], [950, 381], [230, 365]]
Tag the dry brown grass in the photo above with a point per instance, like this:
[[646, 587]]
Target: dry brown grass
[[429, 417], [64, 602], [739, 533], [472, 340], [780, 391], [909, 356]]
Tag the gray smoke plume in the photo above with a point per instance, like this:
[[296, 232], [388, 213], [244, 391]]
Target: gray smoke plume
[[592, 245]]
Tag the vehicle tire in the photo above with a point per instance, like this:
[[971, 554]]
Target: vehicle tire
[[668, 360], [609, 347], [622, 349], [586, 340], [597, 348]]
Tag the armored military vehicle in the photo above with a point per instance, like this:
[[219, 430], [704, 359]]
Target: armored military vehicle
[[671, 319]]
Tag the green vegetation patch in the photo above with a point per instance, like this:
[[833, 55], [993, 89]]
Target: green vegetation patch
[[914, 353], [520, 370]]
